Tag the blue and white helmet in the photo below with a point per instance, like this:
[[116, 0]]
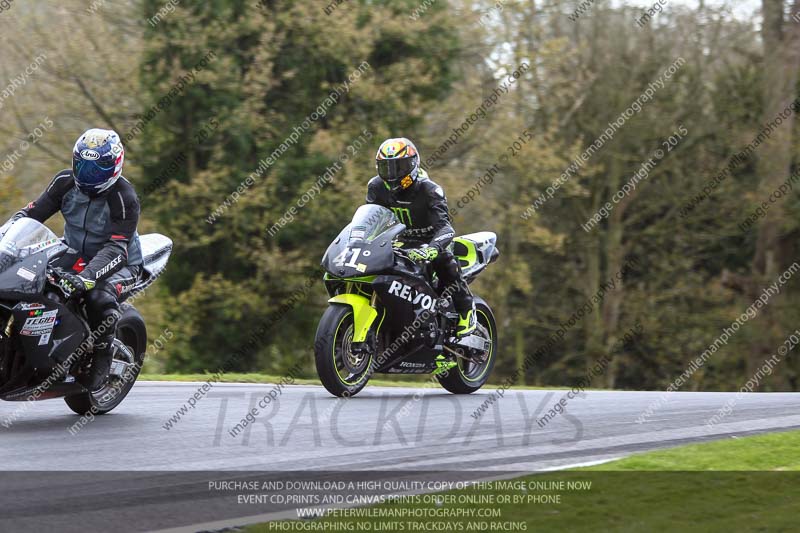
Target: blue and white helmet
[[97, 161]]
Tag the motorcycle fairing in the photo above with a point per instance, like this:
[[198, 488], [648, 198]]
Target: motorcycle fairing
[[406, 303], [475, 251], [48, 333], [419, 362], [156, 250], [23, 279], [365, 245], [24, 394], [363, 313], [406, 300]]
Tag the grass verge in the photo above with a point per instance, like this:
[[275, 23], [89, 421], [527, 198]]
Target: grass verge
[[388, 381], [738, 484]]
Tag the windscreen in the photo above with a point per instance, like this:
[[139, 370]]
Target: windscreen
[[370, 222], [23, 238]]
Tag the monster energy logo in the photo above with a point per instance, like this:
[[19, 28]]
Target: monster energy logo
[[403, 214]]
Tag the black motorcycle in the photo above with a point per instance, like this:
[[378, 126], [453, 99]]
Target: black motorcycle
[[390, 315], [45, 339]]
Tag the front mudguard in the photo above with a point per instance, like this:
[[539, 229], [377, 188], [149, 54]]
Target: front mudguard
[[363, 313]]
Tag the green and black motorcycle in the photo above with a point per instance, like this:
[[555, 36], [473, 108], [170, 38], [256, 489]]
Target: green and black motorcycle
[[387, 314]]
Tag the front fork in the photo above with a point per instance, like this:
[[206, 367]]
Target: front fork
[[364, 315], [370, 343]]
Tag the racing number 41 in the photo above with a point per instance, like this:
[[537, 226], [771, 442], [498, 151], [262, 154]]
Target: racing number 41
[[340, 259]]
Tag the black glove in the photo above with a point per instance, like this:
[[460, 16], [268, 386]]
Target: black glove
[[73, 285]]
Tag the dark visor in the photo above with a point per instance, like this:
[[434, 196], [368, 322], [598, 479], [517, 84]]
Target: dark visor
[[395, 169], [90, 172]]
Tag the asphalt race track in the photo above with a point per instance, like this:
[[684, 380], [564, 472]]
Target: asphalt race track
[[159, 477]]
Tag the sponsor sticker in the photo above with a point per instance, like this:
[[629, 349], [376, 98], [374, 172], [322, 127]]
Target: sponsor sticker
[[408, 293], [109, 266], [24, 273], [43, 324], [42, 245], [90, 155], [29, 306]]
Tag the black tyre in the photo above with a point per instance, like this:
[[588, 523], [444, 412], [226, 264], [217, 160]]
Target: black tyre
[[468, 377], [132, 332], [342, 373]]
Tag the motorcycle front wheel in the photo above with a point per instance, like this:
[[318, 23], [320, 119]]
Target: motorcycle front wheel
[[342, 372]]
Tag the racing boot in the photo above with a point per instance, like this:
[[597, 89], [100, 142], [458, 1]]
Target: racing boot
[[102, 357], [103, 313], [466, 322], [101, 365]]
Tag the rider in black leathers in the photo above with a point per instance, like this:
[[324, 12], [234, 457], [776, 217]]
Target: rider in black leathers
[[421, 205], [101, 212]]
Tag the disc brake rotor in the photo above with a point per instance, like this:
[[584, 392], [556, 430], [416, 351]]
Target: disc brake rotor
[[353, 361]]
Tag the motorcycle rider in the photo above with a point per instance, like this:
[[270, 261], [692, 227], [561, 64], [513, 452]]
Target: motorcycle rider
[[420, 204], [101, 213]]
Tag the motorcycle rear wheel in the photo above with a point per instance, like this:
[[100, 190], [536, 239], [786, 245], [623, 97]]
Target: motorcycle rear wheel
[[468, 377]]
